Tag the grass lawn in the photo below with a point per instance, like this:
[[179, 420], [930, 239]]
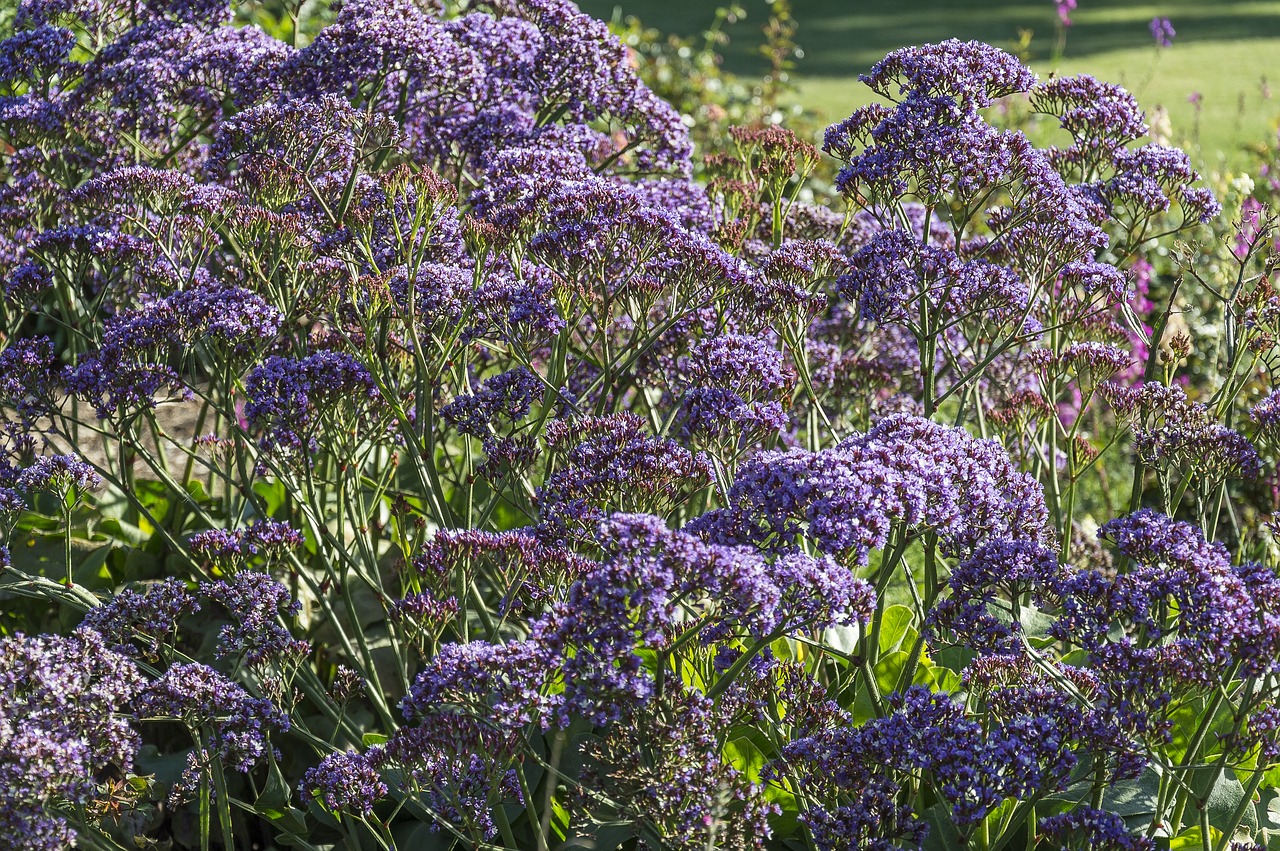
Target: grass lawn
[[1228, 51]]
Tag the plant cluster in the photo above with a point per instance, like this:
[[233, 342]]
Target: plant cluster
[[399, 448]]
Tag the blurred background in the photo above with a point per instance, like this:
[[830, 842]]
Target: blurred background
[[1209, 87]]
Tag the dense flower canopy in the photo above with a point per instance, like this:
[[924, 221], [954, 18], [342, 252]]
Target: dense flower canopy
[[402, 430]]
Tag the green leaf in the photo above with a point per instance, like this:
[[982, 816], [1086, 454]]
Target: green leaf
[[1223, 800], [371, 739], [1191, 840], [895, 628], [942, 835], [92, 571]]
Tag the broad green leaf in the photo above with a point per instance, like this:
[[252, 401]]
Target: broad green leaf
[[895, 629]]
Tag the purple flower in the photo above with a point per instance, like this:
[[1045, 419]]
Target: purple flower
[[1065, 8], [291, 401], [734, 379], [1162, 31], [233, 549], [149, 617], [855, 772], [238, 724], [1266, 417], [345, 781], [906, 471], [133, 362], [255, 602], [458, 765], [612, 464], [1095, 829], [60, 724], [970, 73], [61, 474], [503, 398]]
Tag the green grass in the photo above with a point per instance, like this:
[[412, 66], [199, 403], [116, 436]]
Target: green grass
[[1224, 50]]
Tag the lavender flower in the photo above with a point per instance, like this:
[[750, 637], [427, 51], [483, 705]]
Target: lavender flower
[[255, 602], [345, 781], [60, 724], [237, 723], [1162, 31], [149, 617]]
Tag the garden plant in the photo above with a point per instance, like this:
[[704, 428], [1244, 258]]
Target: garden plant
[[409, 441]]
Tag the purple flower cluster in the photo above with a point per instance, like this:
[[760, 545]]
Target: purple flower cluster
[[231, 550], [61, 722], [133, 361], [296, 404], [633, 599], [1224, 618], [734, 381], [905, 473], [209, 703], [613, 464], [1172, 431], [148, 617], [710, 406], [255, 602], [860, 770], [60, 474]]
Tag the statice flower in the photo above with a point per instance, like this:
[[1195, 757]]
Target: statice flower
[[1266, 418], [508, 683], [1148, 180], [529, 569], [231, 550], [889, 277], [734, 380], [998, 570], [1189, 617], [1162, 31], [1093, 829], [238, 725], [30, 379], [1100, 117], [60, 474], [663, 765], [256, 602], [461, 768], [906, 471], [1172, 431], [148, 617], [291, 402], [502, 398], [589, 642], [60, 724], [857, 771], [345, 780], [132, 363], [971, 74], [613, 464]]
